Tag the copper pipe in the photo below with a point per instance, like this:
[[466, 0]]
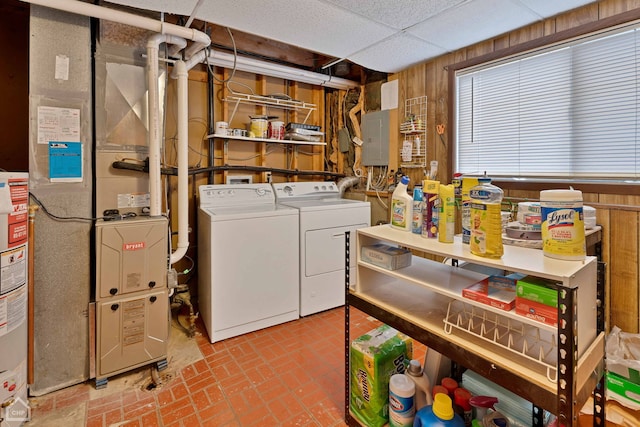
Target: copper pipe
[[30, 293]]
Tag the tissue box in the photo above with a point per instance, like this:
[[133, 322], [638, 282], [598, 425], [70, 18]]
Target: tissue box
[[537, 290], [536, 311], [496, 291], [374, 357], [385, 256], [622, 390]]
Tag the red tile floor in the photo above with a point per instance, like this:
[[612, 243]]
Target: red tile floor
[[287, 375]]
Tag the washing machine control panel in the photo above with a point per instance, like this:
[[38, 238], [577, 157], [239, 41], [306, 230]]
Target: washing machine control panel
[[289, 190], [235, 194]]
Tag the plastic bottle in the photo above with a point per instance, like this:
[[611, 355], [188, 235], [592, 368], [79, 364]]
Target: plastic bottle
[[461, 405], [418, 208], [440, 414], [430, 188], [447, 217], [486, 219], [401, 206], [423, 385], [402, 409]]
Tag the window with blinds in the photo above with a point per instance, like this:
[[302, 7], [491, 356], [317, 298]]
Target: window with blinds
[[568, 111]]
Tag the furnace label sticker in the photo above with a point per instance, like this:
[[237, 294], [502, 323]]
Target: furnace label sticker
[[13, 310], [13, 269], [133, 322]]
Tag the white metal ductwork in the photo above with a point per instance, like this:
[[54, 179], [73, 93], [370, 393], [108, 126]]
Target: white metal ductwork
[[175, 36]]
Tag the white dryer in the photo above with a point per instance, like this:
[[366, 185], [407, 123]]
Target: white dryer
[[324, 219], [247, 260]]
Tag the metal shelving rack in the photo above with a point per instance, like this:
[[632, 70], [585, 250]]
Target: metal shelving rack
[[413, 149], [419, 301]]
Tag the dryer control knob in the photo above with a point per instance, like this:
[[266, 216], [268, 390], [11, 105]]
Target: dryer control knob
[[288, 190], [261, 191]]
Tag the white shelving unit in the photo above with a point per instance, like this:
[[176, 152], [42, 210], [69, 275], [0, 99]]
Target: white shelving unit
[[413, 147], [237, 98], [556, 368]]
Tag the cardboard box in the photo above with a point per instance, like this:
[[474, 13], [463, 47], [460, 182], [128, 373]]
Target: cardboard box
[[496, 291], [374, 357], [536, 311], [385, 256], [537, 290], [622, 390]]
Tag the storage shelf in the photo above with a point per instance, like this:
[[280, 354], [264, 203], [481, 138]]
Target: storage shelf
[[269, 140], [268, 101], [555, 368]]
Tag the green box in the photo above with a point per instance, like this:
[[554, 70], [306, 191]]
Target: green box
[[537, 290], [374, 357], [622, 390]]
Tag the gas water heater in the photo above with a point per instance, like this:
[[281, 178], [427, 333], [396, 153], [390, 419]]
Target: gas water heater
[[14, 217]]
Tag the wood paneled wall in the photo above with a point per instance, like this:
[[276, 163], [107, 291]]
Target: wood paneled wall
[[618, 214]]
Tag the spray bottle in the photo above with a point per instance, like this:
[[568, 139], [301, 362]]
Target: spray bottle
[[418, 208]]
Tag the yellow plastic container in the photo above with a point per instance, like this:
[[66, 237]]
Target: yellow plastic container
[[486, 219], [447, 217]]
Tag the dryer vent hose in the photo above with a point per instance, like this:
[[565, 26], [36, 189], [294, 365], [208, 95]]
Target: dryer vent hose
[[347, 182]]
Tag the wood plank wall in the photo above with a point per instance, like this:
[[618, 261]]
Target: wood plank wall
[[618, 214]]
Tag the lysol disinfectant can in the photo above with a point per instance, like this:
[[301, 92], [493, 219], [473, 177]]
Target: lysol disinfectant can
[[562, 224]]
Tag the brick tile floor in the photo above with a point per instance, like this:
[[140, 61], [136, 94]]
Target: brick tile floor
[[287, 375]]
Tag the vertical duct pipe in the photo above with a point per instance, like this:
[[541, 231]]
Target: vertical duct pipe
[[155, 124], [181, 73]]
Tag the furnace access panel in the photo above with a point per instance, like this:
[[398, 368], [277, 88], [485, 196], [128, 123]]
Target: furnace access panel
[[132, 298], [132, 255]]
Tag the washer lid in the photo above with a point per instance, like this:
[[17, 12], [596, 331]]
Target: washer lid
[[328, 203], [248, 212]]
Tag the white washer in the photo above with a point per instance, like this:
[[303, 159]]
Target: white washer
[[247, 260], [324, 219]]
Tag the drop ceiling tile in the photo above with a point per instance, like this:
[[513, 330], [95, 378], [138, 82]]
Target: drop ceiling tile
[[318, 27], [396, 53], [549, 8], [398, 14], [473, 22]]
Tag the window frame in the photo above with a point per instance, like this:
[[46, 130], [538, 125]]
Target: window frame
[[536, 184]]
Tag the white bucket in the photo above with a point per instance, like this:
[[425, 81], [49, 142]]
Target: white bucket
[[562, 224]]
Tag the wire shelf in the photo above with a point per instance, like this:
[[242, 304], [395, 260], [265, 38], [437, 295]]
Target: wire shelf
[[535, 344], [413, 149]]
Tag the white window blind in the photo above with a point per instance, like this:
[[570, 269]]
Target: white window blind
[[570, 111]]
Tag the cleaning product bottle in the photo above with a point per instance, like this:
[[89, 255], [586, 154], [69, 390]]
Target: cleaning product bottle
[[430, 189], [418, 207], [447, 217], [461, 405], [402, 409], [481, 404], [423, 385], [486, 219], [440, 414], [401, 206]]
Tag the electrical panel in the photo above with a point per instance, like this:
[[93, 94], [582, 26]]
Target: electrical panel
[[375, 135]]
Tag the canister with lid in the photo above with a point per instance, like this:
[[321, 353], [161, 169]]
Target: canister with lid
[[562, 224]]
